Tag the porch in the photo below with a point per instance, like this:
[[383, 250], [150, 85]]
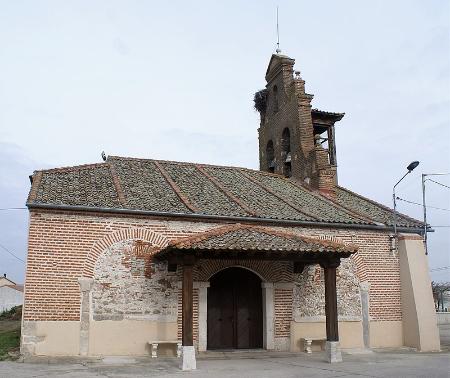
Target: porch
[[232, 312]]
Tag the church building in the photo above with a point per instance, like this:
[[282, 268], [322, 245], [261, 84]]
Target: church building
[[147, 257]]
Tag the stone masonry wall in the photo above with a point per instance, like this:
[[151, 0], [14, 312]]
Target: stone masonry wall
[[309, 291], [128, 286]]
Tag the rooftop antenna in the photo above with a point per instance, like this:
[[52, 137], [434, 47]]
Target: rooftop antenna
[[278, 50]]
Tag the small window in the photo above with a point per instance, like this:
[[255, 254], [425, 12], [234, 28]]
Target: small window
[[270, 157], [275, 99]]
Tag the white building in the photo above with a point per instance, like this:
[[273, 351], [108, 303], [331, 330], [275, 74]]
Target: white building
[[10, 294]]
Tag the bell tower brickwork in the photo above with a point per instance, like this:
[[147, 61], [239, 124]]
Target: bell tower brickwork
[[284, 104]]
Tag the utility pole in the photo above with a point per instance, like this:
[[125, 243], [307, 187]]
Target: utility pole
[[425, 226]]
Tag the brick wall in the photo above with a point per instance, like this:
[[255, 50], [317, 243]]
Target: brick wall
[[65, 246], [376, 264], [283, 312], [293, 112]]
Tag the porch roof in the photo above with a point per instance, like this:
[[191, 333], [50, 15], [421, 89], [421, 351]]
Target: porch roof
[[256, 241]]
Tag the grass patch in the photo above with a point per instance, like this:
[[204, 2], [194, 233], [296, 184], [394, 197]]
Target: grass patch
[[10, 333], [9, 342]]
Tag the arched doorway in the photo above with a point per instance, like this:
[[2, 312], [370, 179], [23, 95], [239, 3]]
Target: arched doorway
[[235, 316]]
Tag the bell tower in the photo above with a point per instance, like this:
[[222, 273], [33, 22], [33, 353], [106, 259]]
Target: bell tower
[[294, 139]]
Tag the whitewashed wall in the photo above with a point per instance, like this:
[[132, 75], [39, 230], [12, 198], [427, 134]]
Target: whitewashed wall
[[9, 298]]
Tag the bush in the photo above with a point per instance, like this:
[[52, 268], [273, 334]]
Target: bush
[[14, 313]]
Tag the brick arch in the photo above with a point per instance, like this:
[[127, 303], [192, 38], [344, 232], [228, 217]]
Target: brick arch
[[268, 271], [357, 258], [117, 236], [361, 267]]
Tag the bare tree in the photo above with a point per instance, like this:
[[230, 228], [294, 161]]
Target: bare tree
[[439, 288]]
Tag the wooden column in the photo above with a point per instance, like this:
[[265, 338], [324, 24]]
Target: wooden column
[[187, 304], [331, 313]]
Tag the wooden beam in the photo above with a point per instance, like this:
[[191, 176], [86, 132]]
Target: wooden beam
[[187, 305], [331, 313], [178, 256]]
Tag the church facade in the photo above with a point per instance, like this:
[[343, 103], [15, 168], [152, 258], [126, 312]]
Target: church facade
[[132, 254]]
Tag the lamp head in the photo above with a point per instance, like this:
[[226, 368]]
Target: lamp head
[[412, 165]]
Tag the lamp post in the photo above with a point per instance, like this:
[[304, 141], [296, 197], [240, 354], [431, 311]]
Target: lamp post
[[410, 168]]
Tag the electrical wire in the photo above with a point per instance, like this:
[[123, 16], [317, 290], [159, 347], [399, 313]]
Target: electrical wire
[[12, 254], [13, 208], [439, 183], [419, 204], [440, 268]]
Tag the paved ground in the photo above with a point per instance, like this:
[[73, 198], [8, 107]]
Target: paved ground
[[381, 364], [444, 331]]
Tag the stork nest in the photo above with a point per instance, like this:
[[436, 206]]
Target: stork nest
[[260, 100]]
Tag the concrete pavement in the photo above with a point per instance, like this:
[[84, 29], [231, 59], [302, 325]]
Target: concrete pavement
[[379, 363], [382, 364]]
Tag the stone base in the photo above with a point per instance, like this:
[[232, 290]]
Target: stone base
[[333, 351], [188, 361]]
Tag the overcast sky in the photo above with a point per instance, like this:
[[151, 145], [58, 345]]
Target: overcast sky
[[175, 80]]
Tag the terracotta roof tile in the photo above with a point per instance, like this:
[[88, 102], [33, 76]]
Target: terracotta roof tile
[[78, 186], [186, 188], [379, 213], [244, 238]]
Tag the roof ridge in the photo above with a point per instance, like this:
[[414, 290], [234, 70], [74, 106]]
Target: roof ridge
[[175, 188], [74, 168], [177, 162], [295, 207], [380, 205], [230, 195]]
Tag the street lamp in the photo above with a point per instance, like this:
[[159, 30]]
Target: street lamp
[[410, 168]]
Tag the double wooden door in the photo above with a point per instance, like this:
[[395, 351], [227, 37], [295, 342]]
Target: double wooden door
[[235, 310]]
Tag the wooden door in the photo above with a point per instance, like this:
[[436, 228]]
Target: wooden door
[[235, 310]]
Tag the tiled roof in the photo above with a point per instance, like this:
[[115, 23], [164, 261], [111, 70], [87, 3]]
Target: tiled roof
[[187, 188], [239, 237], [338, 116], [373, 210], [89, 185]]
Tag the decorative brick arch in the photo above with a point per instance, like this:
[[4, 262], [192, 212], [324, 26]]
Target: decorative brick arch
[[268, 271], [117, 236], [361, 267]]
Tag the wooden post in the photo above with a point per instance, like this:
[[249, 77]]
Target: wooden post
[[331, 313], [332, 348], [187, 305]]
